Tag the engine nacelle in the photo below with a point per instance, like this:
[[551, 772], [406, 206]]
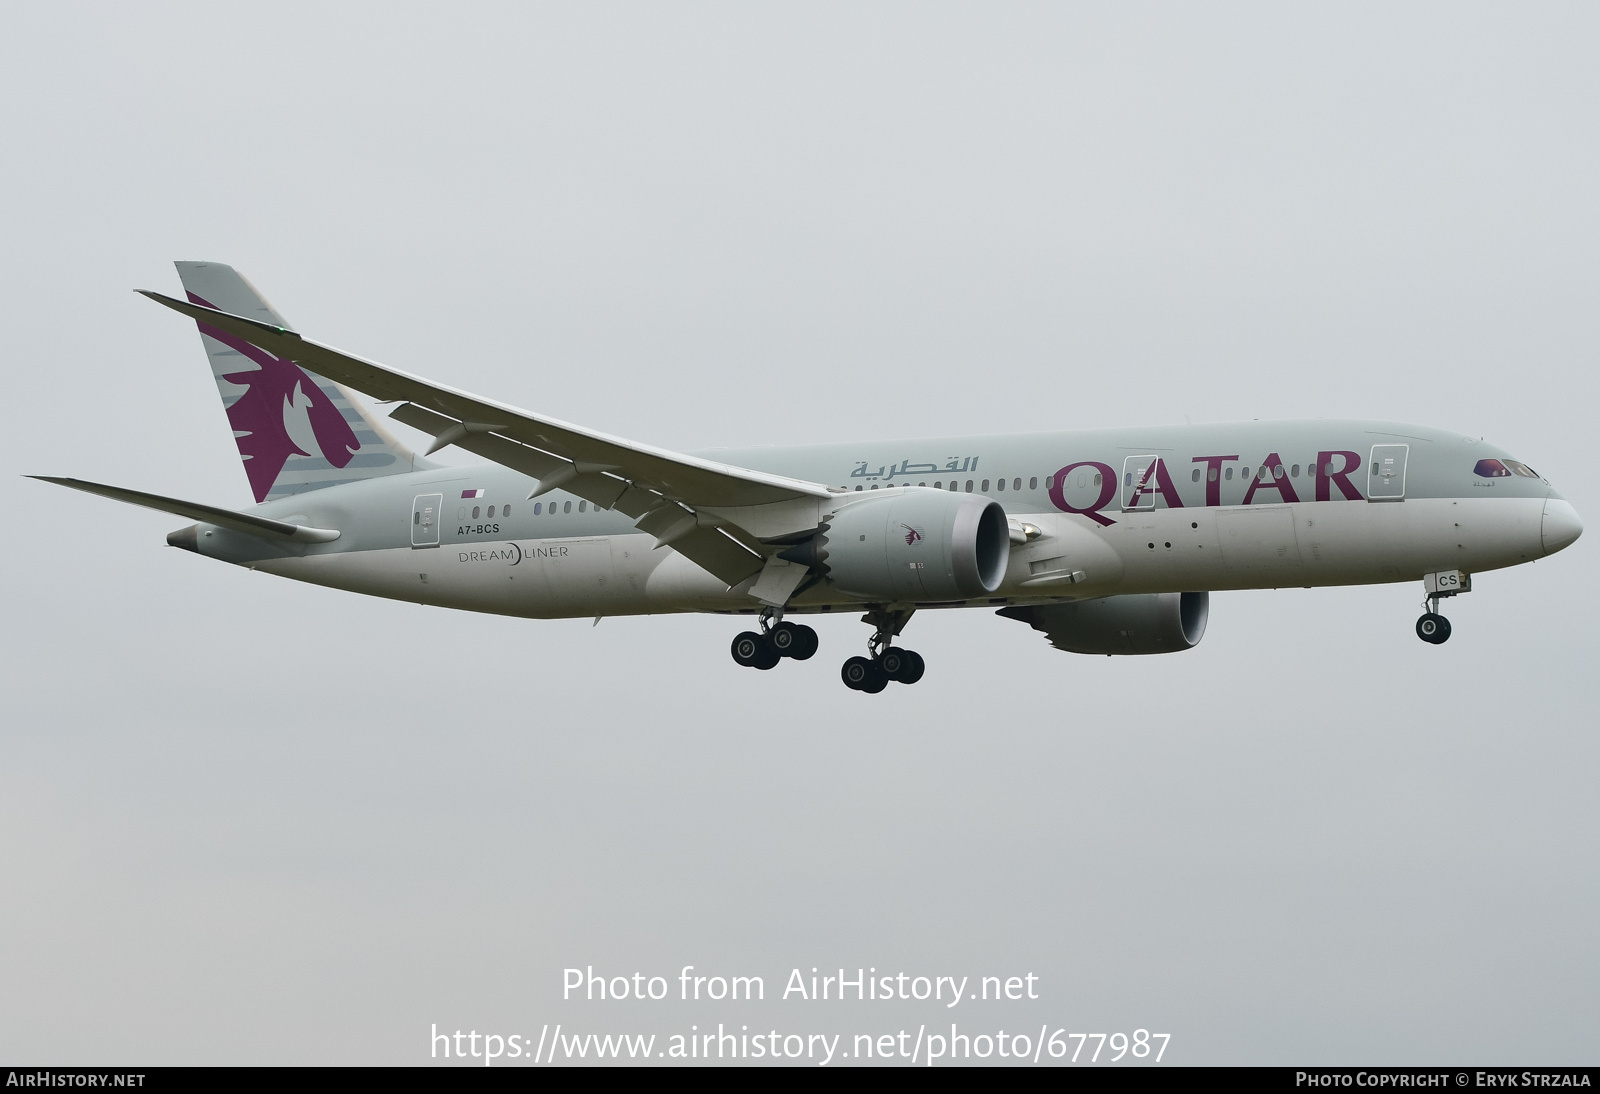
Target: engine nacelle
[[1133, 623], [915, 545]]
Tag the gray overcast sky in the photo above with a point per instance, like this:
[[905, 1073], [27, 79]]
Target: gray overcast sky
[[1311, 840]]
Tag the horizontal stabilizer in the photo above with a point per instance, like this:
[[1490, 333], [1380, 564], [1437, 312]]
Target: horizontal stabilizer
[[263, 527]]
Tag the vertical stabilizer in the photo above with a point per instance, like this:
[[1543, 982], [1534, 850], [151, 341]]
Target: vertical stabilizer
[[296, 431]]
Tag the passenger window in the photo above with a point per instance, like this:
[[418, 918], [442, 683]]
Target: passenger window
[[1196, 476], [1127, 479], [858, 489], [475, 514], [1097, 478], [538, 507], [566, 507], [1294, 472], [1033, 483], [1278, 472], [922, 484], [1211, 475], [416, 518], [985, 486], [874, 486], [1000, 486], [969, 486], [1228, 474], [505, 511], [491, 512], [954, 486], [938, 486], [582, 505], [1016, 484], [1049, 482]]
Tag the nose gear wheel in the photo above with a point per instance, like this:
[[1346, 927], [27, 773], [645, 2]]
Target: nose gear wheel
[[1433, 628]]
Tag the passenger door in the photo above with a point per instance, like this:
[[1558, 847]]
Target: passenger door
[[1139, 483], [1386, 475], [425, 520]]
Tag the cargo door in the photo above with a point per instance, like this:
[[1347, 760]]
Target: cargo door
[[580, 572], [1258, 539]]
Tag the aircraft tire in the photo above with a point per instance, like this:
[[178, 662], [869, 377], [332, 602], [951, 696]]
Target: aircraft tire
[[794, 640], [1433, 628], [857, 672], [770, 656], [914, 667], [748, 648], [876, 679], [902, 666], [808, 642]]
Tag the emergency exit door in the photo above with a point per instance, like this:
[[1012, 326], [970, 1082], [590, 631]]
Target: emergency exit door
[[1139, 483], [1386, 474], [425, 520]]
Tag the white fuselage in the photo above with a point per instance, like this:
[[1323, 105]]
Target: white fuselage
[[1272, 546], [559, 558]]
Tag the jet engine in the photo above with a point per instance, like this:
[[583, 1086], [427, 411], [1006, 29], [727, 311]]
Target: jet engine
[[1129, 624], [916, 545]]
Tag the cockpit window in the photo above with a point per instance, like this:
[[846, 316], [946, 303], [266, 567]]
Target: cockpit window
[[1491, 469], [1521, 469]]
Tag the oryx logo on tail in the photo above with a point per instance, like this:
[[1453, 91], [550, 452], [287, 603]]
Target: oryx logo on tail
[[295, 430], [282, 413]]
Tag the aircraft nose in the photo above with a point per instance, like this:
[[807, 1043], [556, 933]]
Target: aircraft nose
[[1561, 525]]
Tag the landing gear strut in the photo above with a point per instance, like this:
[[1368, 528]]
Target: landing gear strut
[[872, 674], [1434, 628], [774, 642]]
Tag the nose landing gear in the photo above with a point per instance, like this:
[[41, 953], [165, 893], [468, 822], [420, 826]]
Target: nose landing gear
[[1434, 628]]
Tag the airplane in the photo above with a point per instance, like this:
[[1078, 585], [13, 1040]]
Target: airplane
[[1108, 541]]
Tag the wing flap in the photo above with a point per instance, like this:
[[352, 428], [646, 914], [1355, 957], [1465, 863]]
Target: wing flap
[[715, 552]]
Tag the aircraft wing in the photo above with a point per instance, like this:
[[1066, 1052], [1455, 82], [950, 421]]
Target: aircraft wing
[[663, 490]]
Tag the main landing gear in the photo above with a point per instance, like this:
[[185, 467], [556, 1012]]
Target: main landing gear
[[773, 643], [873, 674], [776, 640]]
